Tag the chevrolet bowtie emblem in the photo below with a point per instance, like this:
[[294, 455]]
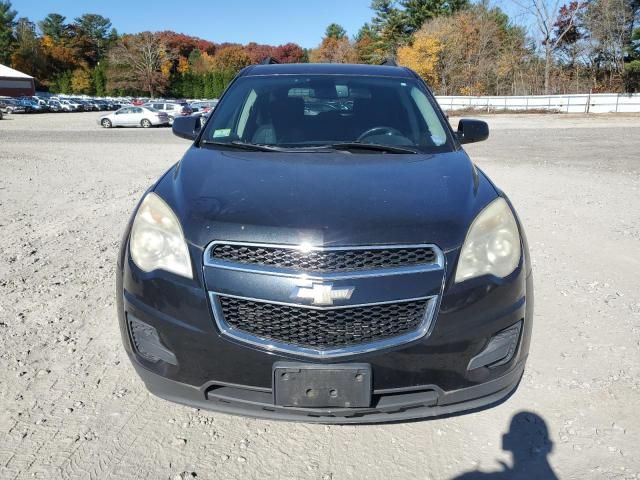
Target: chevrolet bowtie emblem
[[322, 293]]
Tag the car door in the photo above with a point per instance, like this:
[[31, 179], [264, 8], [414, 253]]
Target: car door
[[122, 117], [172, 109], [137, 114]]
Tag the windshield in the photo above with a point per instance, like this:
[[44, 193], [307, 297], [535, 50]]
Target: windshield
[[323, 110]]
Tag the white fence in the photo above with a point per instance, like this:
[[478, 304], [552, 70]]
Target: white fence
[[584, 103]]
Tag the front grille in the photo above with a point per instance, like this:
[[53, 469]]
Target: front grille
[[324, 261], [323, 329]]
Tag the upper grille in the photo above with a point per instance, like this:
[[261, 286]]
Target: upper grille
[[323, 329], [324, 261]]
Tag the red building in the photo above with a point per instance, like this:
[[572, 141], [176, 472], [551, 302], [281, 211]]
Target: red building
[[14, 83]]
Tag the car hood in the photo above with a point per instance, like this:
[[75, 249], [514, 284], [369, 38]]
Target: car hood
[[325, 198]]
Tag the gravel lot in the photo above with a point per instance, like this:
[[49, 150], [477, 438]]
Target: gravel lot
[[72, 406]]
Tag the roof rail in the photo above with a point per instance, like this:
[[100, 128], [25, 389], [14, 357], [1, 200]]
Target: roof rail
[[390, 62], [269, 61]]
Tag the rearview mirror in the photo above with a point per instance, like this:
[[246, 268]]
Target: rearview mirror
[[470, 131], [187, 127]]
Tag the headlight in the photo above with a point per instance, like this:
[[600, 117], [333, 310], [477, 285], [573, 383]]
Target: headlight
[[492, 245], [157, 241]]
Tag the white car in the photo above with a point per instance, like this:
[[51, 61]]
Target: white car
[[172, 109], [134, 117], [72, 104]]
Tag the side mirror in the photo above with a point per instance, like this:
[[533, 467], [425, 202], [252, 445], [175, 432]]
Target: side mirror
[[187, 127], [471, 131]]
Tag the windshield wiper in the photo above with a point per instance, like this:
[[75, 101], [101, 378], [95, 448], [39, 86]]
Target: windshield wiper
[[378, 147], [254, 147]]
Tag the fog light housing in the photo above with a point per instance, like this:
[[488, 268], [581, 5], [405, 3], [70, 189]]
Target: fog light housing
[[500, 349], [147, 343]]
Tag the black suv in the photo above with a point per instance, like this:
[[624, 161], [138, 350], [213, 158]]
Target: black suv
[[325, 251]]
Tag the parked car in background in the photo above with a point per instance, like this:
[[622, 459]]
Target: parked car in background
[[134, 117], [31, 106], [203, 107], [11, 105], [72, 105], [172, 109], [86, 106], [55, 106], [103, 104]]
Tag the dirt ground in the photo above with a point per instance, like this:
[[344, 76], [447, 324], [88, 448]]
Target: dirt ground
[[72, 407]]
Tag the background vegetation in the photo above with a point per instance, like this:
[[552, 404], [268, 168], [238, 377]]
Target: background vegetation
[[458, 47]]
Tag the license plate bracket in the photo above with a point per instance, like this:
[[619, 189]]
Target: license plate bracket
[[322, 386]]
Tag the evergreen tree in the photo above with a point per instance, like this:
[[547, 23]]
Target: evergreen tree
[[54, 26], [7, 22], [391, 28], [335, 31]]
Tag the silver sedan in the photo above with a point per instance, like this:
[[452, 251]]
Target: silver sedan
[[134, 117]]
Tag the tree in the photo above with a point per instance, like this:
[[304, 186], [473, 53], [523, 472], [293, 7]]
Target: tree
[[99, 78], [545, 14], [93, 35], [231, 59], [391, 28], [333, 50], [27, 54], [80, 81], [607, 23], [288, 53], [422, 56], [54, 26], [365, 45], [416, 12], [472, 52], [136, 63], [335, 31], [183, 44], [7, 40], [61, 83]]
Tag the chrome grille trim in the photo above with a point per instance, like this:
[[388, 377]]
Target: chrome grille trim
[[268, 344], [210, 261], [275, 346]]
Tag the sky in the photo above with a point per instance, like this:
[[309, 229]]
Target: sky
[[240, 21]]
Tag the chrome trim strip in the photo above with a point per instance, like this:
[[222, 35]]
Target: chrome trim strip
[[287, 272], [275, 346], [315, 307]]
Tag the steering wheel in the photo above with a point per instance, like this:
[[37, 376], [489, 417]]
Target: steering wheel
[[380, 131]]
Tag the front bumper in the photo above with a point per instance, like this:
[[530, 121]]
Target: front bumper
[[424, 378], [423, 402]]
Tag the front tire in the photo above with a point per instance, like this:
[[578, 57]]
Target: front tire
[[145, 123], [106, 123]]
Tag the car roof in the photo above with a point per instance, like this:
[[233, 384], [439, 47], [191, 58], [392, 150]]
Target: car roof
[[327, 69]]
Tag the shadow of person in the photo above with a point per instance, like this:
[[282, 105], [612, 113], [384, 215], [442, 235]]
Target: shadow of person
[[529, 444]]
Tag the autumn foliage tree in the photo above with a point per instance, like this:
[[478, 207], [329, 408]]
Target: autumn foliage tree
[[468, 53], [140, 62]]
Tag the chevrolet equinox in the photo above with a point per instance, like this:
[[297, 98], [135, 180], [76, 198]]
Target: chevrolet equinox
[[326, 251]]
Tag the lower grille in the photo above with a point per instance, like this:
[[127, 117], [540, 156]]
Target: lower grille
[[323, 329]]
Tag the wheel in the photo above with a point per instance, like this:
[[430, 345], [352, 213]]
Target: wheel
[[145, 123], [170, 120], [106, 123]]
